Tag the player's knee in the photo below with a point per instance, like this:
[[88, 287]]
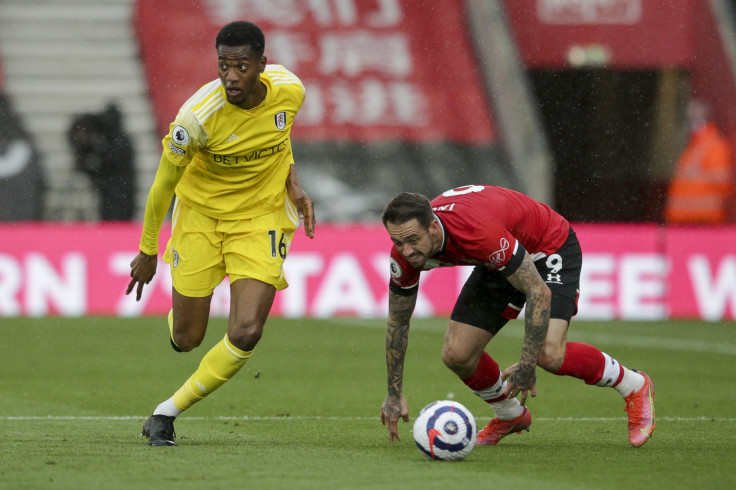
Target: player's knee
[[245, 339], [551, 357], [187, 331], [245, 334], [458, 361], [185, 341], [174, 346]]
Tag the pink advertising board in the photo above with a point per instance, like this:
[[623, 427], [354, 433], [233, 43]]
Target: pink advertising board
[[636, 272], [623, 273], [702, 272]]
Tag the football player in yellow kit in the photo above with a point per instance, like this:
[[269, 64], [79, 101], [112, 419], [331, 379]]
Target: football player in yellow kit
[[238, 202]]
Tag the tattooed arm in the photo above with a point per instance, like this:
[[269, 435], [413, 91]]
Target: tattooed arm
[[522, 376], [400, 309]]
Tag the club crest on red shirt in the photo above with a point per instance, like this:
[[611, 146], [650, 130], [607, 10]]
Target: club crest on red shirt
[[499, 256], [395, 269]]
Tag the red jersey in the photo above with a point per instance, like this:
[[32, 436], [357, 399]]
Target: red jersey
[[488, 225]]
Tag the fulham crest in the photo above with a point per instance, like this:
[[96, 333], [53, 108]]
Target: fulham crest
[[280, 120]]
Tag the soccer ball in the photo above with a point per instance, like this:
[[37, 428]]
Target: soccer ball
[[445, 430]]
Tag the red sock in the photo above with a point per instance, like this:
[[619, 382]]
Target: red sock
[[583, 361], [486, 375]]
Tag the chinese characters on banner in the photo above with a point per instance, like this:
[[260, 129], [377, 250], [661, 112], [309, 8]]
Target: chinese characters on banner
[[373, 69]]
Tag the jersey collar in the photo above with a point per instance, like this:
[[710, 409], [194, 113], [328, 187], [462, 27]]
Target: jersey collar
[[444, 235]]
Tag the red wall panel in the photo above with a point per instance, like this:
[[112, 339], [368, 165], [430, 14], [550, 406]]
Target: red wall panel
[[374, 69], [622, 33]]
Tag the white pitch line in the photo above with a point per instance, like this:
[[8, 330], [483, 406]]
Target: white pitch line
[[318, 417]]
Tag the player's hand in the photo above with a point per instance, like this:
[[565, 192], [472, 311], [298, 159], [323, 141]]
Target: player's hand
[[142, 270], [520, 379], [304, 204], [391, 410], [305, 208]]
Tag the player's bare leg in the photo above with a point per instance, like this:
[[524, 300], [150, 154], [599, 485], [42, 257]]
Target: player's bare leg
[[250, 304], [463, 347], [553, 350], [188, 320]]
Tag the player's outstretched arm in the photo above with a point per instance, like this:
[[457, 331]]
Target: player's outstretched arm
[[304, 204], [400, 309], [143, 265], [522, 377]]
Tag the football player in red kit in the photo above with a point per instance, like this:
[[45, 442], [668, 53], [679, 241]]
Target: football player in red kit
[[523, 252]]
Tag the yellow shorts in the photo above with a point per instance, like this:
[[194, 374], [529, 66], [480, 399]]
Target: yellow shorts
[[203, 250]]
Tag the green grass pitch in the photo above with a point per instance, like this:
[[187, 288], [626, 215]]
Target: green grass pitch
[[304, 412]]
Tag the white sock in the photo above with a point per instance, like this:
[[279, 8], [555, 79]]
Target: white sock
[[167, 408], [611, 371], [506, 409], [631, 382]]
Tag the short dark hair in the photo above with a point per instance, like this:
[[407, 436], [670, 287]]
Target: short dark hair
[[407, 206], [242, 33]]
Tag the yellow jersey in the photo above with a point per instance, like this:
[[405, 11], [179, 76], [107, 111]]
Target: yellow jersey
[[236, 160]]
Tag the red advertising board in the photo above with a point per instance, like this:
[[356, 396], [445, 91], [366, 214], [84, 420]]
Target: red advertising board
[[373, 69], [634, 272], [616, 33]]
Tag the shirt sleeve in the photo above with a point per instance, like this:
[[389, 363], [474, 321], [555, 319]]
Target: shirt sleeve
[[514, 260], [185, 137], [157, 205]]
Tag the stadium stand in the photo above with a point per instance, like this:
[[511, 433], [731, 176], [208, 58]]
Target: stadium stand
[[63, 59]]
